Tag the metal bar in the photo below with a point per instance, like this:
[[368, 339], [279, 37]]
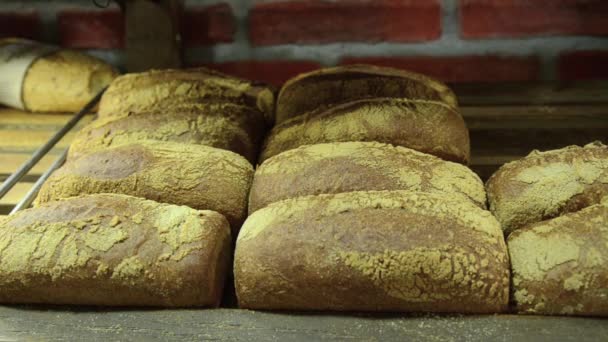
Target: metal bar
[[31, 194], [42, 151]]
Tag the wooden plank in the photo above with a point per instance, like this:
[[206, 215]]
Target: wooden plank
[[16, 193], [9, 116], [586, 92], [28, 141], [9, 162], [50, 324]]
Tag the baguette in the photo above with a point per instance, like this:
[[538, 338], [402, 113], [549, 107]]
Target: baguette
[[113, 250], [161, 89], [425, 126], [357, 166], [560, 266], [372, 251], [200, 177], [222, 125], [547, 184], [331, 86]]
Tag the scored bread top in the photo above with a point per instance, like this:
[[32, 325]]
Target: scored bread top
[[332, 86], [426, 126], [223, 125], [111, 249], [546, 184], [357, 166], [560, 266], [64, 81], [198, 176], [158, 89]]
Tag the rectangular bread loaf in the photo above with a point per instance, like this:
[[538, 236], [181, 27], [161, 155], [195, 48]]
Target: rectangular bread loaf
[[236, 128], [321, 168], [198, 176], [328, 87], [373, 251], [560, 266], [113, 250]]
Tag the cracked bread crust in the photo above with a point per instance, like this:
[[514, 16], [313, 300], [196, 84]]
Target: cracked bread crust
[[372, 251], [547, 184], [560, 266], [113, 250], [328, 87], [359, 166]]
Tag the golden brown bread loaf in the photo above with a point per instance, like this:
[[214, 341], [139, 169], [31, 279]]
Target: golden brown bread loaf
[[426, 126], [236, 128], [547, 184], [560, 266], [113, 250], [358, 166], [160, 89], [200, 177], [372, 251], [331, 86], [64, 81]]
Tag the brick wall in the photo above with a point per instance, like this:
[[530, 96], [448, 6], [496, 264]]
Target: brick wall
[[454, 40]]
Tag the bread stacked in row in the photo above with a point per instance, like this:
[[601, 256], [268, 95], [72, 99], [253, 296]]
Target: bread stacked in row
[[362, 202], [143, 211], [554, 207]]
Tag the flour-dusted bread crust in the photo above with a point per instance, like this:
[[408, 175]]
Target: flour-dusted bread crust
[[373, 251], [547, 184], [560, 266], [64, 81], [200, 177], [113, 250], [426, 126], [331, 86], [359, 166], [158, 89], [236, 128]]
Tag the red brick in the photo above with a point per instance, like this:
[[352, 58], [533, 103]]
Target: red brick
[[519, 18], [271, 72], [97, 29], [20, 24], [208, 25], [462, 68], [583, 65], [344, 21]]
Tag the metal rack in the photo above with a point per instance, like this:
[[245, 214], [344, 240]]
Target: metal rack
[[12, 180]]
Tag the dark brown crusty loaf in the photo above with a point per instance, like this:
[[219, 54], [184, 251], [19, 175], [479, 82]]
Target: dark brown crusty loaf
[[560, 266], [373, 251], [236, 128], [331, 86], [547, 184], [200, 177], [359, 166], [113, 250], [159, 89], [426, 126]]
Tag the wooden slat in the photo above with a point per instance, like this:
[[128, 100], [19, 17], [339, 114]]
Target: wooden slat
[[9, 162], [588, 92]]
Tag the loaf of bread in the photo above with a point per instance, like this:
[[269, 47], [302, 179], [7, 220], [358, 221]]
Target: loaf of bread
[[560, 266], [113, 250], [160, 89], [359, 166], [65, 81], [331, 86], [544, 185], [426, 126], [373, 251], [198, 176], [236, 128], [43, 78]]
